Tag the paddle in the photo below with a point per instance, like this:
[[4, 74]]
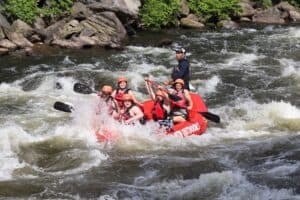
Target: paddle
[[211, 116], [208, 115], [58, 105], [171, 96]]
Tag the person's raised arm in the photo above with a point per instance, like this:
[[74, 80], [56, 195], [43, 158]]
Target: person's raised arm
[[149, 89]]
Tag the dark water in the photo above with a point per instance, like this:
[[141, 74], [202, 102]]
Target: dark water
[[250, 77]]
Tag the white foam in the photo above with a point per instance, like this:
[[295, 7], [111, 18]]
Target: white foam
[[11, 137], [291, 67]]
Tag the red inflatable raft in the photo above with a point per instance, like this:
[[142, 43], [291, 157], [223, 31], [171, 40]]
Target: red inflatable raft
[[196, 124]]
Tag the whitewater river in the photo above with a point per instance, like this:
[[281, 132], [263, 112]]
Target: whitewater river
[[250, 77]]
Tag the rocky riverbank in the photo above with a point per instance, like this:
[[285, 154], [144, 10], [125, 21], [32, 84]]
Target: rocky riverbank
[[107, 23]]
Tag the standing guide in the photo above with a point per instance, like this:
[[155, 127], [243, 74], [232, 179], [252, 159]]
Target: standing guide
[[182, 70]]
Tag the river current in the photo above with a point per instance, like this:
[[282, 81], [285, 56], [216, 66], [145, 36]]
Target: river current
[[250, 77]]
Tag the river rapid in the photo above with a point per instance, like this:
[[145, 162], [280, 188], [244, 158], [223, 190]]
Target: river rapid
[[250, 77]]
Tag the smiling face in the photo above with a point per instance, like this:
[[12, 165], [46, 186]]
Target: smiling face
[[122, 84], [178, 86], [127, 103]]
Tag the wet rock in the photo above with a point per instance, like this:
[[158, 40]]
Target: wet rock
[[7, 44], [184, 8], [21, 27], [80, 12], [228, 24], [75, 42], [18, 39], [35, 38], [191, 22], [269, 16], [245, 19], [3, 51]]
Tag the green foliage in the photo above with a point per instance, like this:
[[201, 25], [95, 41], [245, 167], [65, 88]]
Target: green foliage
[[28, 10], [56, 7], [157, 13], [25, 10], [295, 2], [264, 3], [215, 10]]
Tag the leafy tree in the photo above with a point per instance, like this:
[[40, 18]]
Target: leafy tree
[[215, 10], [157, 13]]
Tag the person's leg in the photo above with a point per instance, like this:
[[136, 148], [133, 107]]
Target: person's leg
[[178, 119]]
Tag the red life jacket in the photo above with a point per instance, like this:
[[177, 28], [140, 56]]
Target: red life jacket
[[119, 95], [181, 103], [158, 111]]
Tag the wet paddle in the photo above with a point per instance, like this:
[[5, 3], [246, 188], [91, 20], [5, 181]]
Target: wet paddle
[[171, 96], [58, 105], [211, 116]]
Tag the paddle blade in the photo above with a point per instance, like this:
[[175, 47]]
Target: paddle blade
[[174, 97], [63, 107], [211, 116], [82, 88]]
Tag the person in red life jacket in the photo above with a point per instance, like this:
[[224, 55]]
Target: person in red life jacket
[[180, 108], [121, 90], [161, 107], [105, 95], [130, 112]]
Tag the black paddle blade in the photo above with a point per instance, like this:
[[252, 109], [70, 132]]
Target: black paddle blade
[[174, 97], [211, 116], [82, 88], [62, 107]]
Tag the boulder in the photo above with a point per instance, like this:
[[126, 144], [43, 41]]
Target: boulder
[[2, 35], [285, 6], [294, 16], [123, 8], [3, 51], [102, 29], [269, 16], [228, 24], [247, 9], [18, 39], [39, 23], [7, 44], [245, 19], [35, 38], [184, 8], [3, 22], [191, 22], [21, 27], [52, 30], [80, 12], [70, 28]]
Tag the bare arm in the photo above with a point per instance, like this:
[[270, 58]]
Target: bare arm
[[189, 99], [150, 90], [136, 113]]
